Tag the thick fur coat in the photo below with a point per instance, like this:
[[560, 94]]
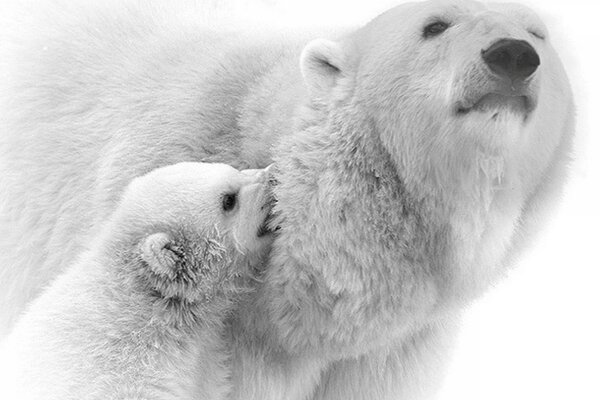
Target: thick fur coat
[[403, 191], [142, 314]]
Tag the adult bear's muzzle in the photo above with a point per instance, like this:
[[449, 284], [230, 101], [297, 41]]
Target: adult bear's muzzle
[[511, 58]]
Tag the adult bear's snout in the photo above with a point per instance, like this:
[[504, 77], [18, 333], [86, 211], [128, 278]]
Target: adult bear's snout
[[511, 58]]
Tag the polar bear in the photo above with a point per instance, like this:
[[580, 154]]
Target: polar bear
[[413, 155], [141, 315]]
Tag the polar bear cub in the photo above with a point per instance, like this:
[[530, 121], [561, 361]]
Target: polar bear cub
[[141, 315]]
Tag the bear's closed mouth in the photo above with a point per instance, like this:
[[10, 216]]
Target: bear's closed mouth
[[265, 227], [496, 102]]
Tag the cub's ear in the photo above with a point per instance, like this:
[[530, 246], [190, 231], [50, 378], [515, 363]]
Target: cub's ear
[[162, 254], [322, 64]]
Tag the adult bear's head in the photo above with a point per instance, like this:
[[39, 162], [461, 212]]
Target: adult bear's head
[[446, 83], [430, 138]]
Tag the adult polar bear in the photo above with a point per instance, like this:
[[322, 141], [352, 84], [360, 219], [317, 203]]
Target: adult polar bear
[[413, 155]]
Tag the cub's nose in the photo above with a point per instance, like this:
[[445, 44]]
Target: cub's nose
[[510, 58], [259, 175]]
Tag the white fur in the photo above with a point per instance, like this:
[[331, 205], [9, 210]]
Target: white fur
[[142, 314], [394, 213]]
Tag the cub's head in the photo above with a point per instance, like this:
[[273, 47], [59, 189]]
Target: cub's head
[[193, 227], [450, 86]]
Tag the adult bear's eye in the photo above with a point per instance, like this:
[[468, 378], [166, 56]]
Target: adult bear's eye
[[435, 28], [229, 201], [536, 34]]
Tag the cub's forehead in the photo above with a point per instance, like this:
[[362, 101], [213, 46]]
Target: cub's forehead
[[198, 181], [195, 174], [208, 172]]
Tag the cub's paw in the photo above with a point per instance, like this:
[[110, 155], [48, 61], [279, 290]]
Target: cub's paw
[[180, 268]]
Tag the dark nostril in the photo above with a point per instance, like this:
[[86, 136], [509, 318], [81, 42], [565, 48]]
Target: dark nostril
[[514, 59]]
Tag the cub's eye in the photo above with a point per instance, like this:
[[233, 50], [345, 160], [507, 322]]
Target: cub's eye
[[229, 201], [435, 28]]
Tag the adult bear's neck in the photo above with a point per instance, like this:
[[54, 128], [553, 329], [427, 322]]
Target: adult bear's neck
[[350, 267], [362, 256]]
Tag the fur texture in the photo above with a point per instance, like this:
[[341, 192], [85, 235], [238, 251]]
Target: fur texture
[[142, 314], [395, 209]]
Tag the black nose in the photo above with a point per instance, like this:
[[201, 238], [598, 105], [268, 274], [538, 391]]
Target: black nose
[[514, 59]]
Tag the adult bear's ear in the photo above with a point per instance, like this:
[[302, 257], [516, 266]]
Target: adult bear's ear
[[322, 64], [162, 254]]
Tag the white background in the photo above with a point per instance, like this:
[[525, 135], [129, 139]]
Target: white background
[[537, 335]]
